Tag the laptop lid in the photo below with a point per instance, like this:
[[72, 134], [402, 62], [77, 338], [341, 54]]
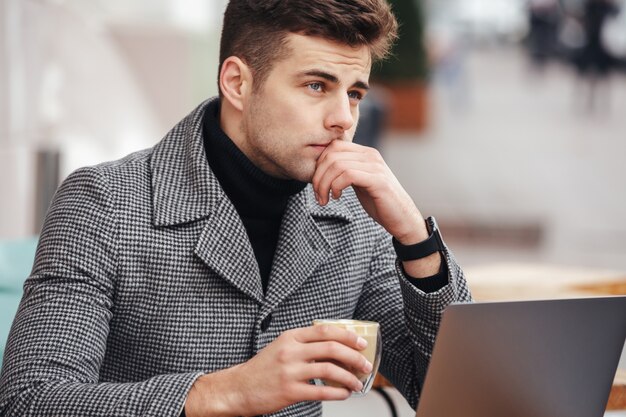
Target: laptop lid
[[543, 358]]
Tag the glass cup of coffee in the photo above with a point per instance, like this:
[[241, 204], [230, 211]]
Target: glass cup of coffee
[[368, 330]]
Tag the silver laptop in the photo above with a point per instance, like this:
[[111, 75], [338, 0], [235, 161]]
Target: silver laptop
[[547, 358]]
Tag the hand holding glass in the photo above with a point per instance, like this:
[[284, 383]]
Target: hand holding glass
[[368, 330]]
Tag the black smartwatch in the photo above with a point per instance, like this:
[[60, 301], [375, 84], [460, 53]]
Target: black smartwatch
[[420, 250]]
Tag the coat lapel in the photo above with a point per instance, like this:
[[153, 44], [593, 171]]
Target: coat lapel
[[302, 246], [225, 248], [185, 190]]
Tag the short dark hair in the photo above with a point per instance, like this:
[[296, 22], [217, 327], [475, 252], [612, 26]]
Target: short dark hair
[[256, 30]]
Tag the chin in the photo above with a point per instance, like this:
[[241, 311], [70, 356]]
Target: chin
[[302, 174], [308, 178]]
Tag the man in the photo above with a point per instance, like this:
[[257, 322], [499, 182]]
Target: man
[[185, 278]]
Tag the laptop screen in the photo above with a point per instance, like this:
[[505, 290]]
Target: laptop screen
[[525, 358]]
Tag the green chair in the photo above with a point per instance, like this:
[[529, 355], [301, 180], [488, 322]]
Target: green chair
[[16, 262]]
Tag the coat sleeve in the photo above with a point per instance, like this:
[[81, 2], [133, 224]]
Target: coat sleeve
[[409, 318], [59, 336]]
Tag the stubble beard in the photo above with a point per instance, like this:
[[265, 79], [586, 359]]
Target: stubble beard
[[271, 149]]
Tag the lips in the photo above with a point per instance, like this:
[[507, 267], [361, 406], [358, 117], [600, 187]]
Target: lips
[[319, 148], [324, 144]]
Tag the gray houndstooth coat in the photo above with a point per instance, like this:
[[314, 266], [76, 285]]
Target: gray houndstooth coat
[[144, 279]]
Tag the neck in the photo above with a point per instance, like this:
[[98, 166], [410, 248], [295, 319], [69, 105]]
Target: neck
[[231, 123], [250, 188]]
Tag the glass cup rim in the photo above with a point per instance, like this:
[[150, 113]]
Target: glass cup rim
[[352, 322]]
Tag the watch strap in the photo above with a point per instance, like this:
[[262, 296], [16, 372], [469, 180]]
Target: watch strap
[[434, 243]]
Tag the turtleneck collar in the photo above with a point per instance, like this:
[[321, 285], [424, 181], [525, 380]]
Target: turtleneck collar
[[253, 192]]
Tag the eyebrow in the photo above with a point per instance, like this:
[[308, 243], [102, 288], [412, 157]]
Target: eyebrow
[[333, 79]]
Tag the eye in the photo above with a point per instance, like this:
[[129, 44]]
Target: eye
[[355, 95], [316, 86]]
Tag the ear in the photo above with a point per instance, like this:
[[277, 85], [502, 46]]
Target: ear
[[235, 82]]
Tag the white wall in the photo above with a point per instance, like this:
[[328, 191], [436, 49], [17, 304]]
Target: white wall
[[94, 81]]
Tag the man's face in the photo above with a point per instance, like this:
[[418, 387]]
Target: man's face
[[308, 100]]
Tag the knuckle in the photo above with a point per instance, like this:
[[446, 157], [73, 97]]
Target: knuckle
[[324, 330], [332, 349], [282, 355], [333, 167], [349, 174], [330, 159], [331, 156], [374, 153], [327, 369]]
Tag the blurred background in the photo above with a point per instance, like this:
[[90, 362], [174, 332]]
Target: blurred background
[[506, 119]]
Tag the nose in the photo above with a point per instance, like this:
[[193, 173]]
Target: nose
[[340, 117]]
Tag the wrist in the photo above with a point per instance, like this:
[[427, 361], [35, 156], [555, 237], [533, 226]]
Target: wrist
[[424, 267], [415, 233], [431, 244], [215, 394], [422, 259]]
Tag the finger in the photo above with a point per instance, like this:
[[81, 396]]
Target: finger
[[340, 149], [343, 147], [330, 372], [355, 178], [347, 146], [308, 392], [326, 181], [332, 155], [322, 169], [325, 332], [338, 353]]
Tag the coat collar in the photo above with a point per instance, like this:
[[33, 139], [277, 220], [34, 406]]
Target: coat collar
[[184, 188]]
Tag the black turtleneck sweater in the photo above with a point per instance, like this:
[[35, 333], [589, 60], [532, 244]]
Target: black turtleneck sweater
[[261, 199]]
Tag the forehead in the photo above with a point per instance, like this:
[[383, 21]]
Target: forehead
[[314, 52]]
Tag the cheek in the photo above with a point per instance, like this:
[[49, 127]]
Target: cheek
[[296, 110], [292, 114]]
